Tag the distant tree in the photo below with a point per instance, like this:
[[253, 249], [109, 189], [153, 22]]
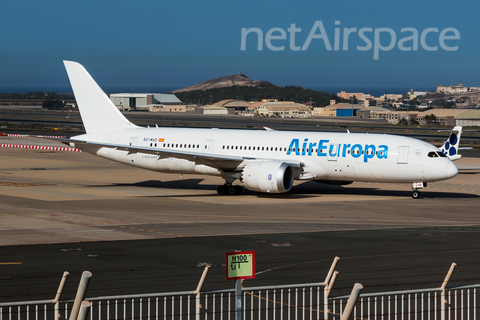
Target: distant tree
[[430, 119], [414, 121], [353, 100], [403, 122]]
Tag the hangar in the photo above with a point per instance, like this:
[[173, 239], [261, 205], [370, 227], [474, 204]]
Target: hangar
[[136, 100]]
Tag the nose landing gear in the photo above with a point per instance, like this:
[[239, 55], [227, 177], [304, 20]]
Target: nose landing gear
[[415, 194], [415, 187]]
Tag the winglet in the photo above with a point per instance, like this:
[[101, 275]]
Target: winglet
[[97, 110], [450, 147]]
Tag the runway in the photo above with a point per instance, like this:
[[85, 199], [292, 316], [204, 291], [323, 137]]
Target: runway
[[140, 231]]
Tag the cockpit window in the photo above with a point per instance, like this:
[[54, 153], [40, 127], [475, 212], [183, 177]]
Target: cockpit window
[[433, 154]]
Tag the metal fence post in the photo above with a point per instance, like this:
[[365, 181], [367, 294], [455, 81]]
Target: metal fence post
[[443, 289], [84, 308], [331, 275], [238, 299], [197, 292], [332, 268], [347, 312], [59, 292], [326, 293], [82, 290]]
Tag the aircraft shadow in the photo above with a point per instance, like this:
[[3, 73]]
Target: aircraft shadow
[[307, 189], [173, 184]]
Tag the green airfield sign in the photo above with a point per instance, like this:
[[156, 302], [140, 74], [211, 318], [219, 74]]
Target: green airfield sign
[[240, 265]]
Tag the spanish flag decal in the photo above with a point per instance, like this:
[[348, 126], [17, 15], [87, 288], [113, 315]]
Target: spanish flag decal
[[161, 140]]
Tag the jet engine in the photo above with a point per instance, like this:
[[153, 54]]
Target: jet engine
[[268, 176]]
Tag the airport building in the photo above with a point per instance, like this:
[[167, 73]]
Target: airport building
[[286, 109], [233, 106], [212, 109], [139, 101], [338, 110], [470, 118]]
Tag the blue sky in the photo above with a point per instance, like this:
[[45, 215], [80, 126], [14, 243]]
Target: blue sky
[[180, 43]]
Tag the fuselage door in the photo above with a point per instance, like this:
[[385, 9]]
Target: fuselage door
[[333, 151], [402, 154], [208, 146], [133, 141]]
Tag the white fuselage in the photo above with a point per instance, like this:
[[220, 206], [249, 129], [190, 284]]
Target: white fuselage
[[323, 156]]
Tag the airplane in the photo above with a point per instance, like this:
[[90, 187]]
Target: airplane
[[267, 161]]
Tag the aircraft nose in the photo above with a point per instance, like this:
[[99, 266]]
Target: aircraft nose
[[452, 170]]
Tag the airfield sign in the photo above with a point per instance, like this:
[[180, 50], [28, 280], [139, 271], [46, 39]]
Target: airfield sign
[[240, 265]]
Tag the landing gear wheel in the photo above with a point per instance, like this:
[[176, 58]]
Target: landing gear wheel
[[415, 194], [231, 190], [238, 190], [221, 190]]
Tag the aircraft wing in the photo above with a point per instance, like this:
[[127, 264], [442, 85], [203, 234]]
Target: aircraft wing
[[164, 152], [188, 155]]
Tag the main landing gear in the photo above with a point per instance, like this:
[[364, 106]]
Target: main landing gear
[[415, 187], [229, 190]]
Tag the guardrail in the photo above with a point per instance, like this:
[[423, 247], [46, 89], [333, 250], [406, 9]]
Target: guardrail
[[299, 301]]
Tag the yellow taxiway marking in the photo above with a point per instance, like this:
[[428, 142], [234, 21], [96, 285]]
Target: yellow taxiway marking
[[7, 263]]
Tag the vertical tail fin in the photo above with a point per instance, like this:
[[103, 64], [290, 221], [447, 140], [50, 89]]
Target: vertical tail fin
[[97, 110], [450, 147]]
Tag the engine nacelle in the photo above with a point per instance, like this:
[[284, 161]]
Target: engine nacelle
[[268, 176]]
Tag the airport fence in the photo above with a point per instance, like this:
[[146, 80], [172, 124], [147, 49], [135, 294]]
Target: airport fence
[[302, 301]]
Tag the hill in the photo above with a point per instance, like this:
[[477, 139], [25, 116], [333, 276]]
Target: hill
[[223, 82], [250, 93]]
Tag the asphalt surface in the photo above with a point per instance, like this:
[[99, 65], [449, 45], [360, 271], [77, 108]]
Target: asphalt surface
[[142, 232]]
